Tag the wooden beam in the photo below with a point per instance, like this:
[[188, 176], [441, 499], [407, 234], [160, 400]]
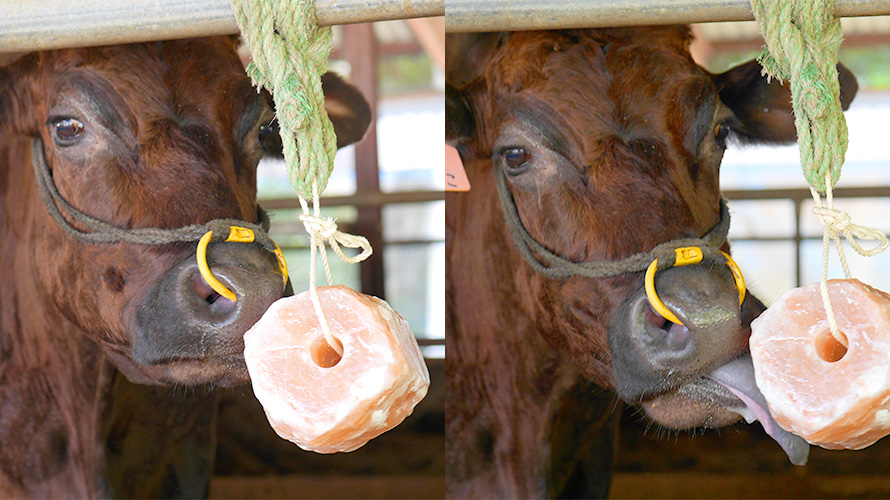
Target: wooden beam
[[360, 49], [430, 32]]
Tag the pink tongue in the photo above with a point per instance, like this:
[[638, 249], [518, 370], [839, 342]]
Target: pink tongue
[[738, 377]]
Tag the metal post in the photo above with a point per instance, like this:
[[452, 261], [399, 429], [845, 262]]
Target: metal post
[[360, 49], [494, 15], [49, 24]]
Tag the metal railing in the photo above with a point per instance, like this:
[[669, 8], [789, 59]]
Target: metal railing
[[51, 24], [491, 15]]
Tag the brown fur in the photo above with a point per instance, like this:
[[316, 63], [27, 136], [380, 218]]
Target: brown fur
[[60, 297]]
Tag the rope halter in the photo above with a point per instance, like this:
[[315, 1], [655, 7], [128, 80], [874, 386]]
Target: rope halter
[[679, 252], [217, 230]]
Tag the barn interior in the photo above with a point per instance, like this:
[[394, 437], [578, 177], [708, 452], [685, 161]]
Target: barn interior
[[389, 188]]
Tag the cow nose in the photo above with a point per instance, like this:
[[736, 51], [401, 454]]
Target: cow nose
[[250, 272], [651, 354], [182, 317]]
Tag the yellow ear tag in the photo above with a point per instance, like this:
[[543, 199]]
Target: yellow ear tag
[[686, 256]]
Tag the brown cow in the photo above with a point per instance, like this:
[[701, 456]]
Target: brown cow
[[609, 142], [155, 135]]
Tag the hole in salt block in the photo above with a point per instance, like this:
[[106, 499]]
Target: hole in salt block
[[323, 354], [828, 348]]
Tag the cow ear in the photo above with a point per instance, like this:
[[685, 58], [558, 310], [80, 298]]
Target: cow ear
[[459, 122], [764, 108], [17, 84], [347, 108], [468, 54]]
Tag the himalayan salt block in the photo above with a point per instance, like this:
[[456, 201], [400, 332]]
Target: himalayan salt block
[[324, 402], [832, 396]]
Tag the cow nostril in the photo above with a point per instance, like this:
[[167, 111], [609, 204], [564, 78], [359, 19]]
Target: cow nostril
[[203, 290], [657, 320], [210, 296], [676, 336]]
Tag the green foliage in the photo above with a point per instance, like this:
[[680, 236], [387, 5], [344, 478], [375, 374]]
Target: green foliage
[[871, 65], [405, 73]]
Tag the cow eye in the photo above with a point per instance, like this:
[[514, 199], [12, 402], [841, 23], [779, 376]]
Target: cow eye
[[516, 159], [721, 133], [67, 129], [266, 130]]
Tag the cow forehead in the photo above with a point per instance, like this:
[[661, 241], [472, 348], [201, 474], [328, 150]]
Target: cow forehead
[[593, 85], [162, 79], [601, 65]]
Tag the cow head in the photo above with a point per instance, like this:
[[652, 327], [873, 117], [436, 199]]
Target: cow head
[[156, 135], [610, 142]]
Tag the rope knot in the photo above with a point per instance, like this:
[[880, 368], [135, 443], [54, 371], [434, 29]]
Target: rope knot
[[839, 223], [324, 228], [834, 219]]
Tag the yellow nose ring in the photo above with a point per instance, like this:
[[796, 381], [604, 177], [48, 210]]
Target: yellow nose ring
[[686, 256], [236, 234]]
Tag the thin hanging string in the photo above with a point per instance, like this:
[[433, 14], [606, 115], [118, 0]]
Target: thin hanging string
[[324, 230], [838, 223], [803, 38], [290, 53]]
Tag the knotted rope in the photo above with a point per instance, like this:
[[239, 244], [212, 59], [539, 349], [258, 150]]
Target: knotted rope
[[290, 53], [838, 223], [556, 266], [99, 232], [803, 38]]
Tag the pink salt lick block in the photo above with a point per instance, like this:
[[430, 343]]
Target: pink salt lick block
[[832, 396], [324, 402]]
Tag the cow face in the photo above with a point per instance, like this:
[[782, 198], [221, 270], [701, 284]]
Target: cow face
[[158, 135], [611, 142]]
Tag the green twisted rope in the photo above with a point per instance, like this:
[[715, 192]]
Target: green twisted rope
[[290, 52], [803, 38]]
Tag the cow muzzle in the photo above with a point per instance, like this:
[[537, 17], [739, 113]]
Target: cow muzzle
[[652, 355], [193, 331], [694, 372]]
